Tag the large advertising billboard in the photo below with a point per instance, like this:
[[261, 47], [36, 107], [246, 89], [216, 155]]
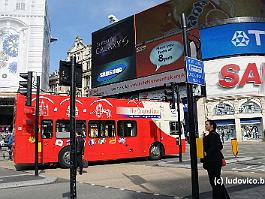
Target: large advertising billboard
[[160, 56], [235, 76], [233, 39], [113, 53], [165, 18]]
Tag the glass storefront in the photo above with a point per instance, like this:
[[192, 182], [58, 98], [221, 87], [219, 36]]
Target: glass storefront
[[251, 129], [226, 129]]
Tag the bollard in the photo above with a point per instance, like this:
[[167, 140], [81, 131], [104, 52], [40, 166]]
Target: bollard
[[199, 144], [234, 145]]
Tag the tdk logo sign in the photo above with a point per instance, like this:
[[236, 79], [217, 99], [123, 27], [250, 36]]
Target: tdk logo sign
[[240, 38]]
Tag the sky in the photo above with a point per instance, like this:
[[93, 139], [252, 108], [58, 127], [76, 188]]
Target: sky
[[72, 18]]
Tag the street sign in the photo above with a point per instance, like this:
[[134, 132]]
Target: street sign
[[195, 71]]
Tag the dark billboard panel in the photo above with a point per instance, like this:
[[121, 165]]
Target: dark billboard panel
[[166, 18], [113, 42], [233, 39], [113, 53]]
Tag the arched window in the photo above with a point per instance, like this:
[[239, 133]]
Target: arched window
[[250, 107], [223, 109]]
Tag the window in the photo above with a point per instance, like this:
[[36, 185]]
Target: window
[[105, 128], [20, 5], [47, 131], [81, 127], [250, 107], [63, 128], [127, 128], [173, 128], [223, 109]]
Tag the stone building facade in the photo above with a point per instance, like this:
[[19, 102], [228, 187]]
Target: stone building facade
[[82, 53], [24, 46]]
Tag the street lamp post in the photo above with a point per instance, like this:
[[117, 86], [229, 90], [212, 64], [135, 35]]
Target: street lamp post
[[191, 119]]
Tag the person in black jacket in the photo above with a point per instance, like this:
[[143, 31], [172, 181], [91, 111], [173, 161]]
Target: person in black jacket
[[79, 151], [212, 160]]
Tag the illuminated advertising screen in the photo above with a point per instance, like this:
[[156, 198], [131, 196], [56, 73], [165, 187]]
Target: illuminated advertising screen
[[116, 71], [233, 39], [166, 17], [162, 55], [113, 53], [235, 76]]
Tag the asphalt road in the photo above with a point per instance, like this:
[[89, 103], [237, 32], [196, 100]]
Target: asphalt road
[[251, 160]]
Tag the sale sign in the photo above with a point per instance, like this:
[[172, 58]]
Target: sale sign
[[235, 76]]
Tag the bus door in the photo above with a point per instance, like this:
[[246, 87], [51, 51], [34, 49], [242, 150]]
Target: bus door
[[101, 140], [129, 142], [46, 146]]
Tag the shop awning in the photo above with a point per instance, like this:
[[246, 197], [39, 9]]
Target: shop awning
[[250, 120], [225, 122]]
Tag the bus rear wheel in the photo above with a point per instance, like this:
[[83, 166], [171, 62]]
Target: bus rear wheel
[[155, 151], [64, 158]]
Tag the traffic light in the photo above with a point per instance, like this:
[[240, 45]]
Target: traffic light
[[25, 87], [65, 74], [170, 94]]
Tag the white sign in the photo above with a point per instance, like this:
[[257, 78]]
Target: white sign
[[177, 76], [235, 76]]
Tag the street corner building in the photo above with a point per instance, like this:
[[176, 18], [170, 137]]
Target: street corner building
[[24, 46]]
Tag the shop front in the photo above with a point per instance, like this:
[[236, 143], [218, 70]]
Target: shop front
[[226, 129], [251, 129]]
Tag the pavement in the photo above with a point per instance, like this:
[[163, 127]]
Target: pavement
[[141, 178], [10, 178]]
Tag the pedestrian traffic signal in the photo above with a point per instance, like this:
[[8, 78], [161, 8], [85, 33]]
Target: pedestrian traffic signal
[[25, 87], [65, 74], [170, 94]]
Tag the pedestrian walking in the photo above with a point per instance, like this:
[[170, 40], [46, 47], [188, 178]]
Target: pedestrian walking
[[9, 145], [213, 159], [79, 151], [223, 136]]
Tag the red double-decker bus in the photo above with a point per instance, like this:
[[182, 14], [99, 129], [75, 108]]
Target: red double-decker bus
[[113, 129]]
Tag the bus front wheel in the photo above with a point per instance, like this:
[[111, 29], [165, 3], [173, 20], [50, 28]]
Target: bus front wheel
[[155, 151], [64, 158]]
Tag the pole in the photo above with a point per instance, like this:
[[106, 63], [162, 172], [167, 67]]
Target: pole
[[193, 152], [72, 133], [179, 124], [37, 125]]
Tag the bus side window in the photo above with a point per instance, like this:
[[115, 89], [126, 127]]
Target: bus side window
[[93, 129], [127, 128], [46, 126], [63, 129], [173, 128], [103, 128], [81, 127]]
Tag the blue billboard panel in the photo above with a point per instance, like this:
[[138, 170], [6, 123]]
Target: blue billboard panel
[[233, 39], [115, 71]]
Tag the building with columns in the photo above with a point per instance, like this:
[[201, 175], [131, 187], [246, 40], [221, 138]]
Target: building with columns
[[82, 53], [24, 46]]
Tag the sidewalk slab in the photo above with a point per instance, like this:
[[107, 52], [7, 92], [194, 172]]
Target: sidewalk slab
[[20, 178]]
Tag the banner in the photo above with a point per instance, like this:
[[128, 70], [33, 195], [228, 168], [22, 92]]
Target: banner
[[233, 39]]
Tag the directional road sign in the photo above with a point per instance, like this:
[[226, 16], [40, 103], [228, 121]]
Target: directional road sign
[[195, 71]]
